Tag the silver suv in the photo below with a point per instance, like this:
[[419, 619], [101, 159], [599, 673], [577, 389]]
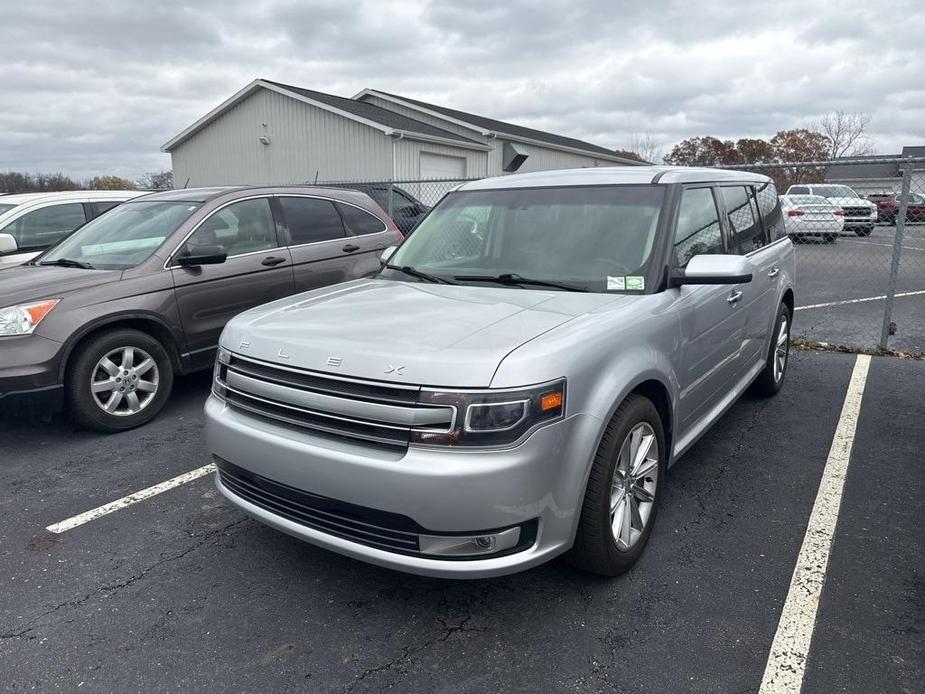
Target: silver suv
[[516, 381]]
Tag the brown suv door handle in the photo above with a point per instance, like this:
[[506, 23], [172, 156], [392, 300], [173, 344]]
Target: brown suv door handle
[[350, 248], [272, 260]]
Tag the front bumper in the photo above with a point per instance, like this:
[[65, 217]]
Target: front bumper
[[538, 484], [29, 372]]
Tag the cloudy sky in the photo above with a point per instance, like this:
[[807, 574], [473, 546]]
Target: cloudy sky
[[98, 87]]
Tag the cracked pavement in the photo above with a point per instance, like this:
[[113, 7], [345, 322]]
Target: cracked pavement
[[183, 592]]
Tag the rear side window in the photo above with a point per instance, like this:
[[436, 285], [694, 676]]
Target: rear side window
[[311, 220], [698, 230], [746, 228], [769, 208], [359, 222], [45, 226]]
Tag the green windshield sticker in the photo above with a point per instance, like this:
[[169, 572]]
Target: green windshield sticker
[[635, 283]]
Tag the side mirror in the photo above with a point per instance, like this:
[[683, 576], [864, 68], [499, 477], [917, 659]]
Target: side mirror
[[387, 253], [192, 256], [714, 269], [7, 243]]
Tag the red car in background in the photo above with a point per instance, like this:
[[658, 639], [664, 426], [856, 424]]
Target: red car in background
[[888, 207]]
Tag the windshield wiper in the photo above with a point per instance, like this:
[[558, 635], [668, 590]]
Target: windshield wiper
[[408, 270], [67, 262], [512, 278]]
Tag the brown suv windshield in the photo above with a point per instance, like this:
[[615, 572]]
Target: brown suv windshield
[[121, 238]]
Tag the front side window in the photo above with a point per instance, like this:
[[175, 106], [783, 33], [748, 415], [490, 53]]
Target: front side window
[[698, 231], [589, 238], [359, 222], [46, 226], [124, 236], [241, 227], [311, 220], [745, 226]]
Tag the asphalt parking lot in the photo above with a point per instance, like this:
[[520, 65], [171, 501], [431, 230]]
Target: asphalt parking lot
[[183, 592], [841, 289]]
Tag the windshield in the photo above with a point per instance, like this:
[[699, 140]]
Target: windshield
[[6, 208], [835, 191], [123, 237], [596, 238]]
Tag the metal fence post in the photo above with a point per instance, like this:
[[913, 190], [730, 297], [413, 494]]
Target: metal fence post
[[391, 199], [897, 254]]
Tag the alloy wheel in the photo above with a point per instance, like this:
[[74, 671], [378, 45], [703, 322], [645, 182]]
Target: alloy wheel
[[781, 349], [632, 491], [124, 381]]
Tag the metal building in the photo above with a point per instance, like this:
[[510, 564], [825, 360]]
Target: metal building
[[272, 133]]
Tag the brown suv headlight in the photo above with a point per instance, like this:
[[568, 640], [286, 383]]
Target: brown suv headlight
[[494, 417]]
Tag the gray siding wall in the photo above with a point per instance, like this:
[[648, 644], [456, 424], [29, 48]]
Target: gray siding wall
[[303, 140], [543, 159]]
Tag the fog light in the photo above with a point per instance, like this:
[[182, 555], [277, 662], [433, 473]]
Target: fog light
[[469, 545]]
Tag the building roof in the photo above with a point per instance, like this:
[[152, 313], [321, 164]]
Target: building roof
[[389, 122], [613, 175], [880, 166], [504, 128]]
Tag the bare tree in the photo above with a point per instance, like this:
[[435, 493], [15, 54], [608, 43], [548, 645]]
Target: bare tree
[[846, 133], [647, 147]]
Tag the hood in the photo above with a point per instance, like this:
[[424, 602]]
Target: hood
[[32, 282], [416, 333]]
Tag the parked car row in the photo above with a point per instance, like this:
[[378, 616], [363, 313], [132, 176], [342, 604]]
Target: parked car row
[[32, 222], [860, 215], [888, 205], [103, 320]]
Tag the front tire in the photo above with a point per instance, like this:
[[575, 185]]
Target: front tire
[[118, 380], [866, 231], [830, 238], [624, 487], [771, 379]]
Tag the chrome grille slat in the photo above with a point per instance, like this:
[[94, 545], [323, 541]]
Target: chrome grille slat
[[381, 413]]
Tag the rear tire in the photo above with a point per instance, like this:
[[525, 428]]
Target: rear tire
[[866, 231], [830, 238], [771, 378], [118, 380], [605, 544]]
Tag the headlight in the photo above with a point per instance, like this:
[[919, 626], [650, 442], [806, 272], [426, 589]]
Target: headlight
[[494, 417], [22, 319]]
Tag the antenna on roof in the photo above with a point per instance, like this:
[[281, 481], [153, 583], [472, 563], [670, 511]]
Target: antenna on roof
[[316, 176], [187, 183]]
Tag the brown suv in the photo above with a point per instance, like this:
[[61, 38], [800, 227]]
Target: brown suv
[[105, 319]]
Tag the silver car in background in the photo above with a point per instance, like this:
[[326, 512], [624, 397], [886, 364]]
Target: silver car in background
[[517, 380], [812, 216]]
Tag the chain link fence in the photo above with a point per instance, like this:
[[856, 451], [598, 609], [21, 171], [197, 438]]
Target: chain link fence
[[405, 201], [858, 228]]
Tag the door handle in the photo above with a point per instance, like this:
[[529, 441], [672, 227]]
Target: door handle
[[734, 297], [350, 248], [272, 260], [773, 272]]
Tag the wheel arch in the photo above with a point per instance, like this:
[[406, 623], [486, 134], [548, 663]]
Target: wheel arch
[[150, 324]]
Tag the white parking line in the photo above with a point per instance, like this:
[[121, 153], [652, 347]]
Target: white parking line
[[787, 659], [885, 245], [118, 504], [897, 295]]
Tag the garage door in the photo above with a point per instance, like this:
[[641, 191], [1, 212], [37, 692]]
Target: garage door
[[442, 166]]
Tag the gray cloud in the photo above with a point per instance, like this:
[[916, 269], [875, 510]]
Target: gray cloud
[[97, 87]]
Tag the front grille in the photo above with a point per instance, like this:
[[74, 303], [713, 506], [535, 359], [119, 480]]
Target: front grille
[[378, 413], [366, 526], [370, 527], [857, 211]]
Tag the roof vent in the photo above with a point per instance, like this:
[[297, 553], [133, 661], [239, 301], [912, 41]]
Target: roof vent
[[513, 158]]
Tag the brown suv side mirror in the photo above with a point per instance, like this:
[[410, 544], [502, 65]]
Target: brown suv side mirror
[[192, 256]]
